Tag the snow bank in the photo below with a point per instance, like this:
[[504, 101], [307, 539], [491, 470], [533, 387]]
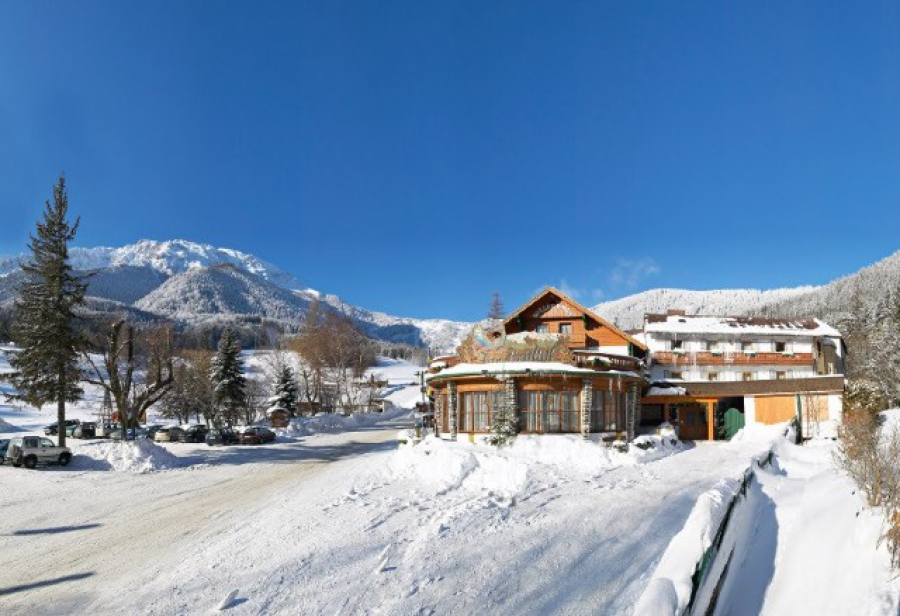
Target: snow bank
[[333, 422], [140, 456], [8, 427], [445, 466], [671, 585]]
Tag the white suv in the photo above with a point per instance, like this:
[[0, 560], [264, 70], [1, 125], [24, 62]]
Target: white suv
[[29, 450]]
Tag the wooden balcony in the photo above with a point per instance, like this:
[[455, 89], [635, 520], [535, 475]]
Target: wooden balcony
[[708, 358]]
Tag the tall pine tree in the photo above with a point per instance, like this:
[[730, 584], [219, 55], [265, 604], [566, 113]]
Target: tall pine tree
[[47, 366], [286, 391], [227, 376]]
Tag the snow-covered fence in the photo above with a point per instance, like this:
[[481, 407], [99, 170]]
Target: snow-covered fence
[[695, 565]]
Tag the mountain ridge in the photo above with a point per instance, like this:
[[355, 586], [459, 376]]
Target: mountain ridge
[[194, 284]]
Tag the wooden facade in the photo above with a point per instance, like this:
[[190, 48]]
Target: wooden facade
[[557, 366], [555, 313]]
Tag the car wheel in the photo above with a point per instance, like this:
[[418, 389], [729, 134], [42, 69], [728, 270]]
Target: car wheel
[[30, 462], [64, 459]]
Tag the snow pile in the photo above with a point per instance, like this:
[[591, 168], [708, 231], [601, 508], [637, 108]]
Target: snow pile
[[7, 427], [446, 466], [140, 456], [670, 588], [334, 422], [669, 591]]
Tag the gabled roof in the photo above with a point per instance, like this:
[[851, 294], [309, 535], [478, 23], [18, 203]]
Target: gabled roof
[[590, 313]]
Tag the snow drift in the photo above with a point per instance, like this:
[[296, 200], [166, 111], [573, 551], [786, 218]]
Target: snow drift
[[444, 466], [141, 456]]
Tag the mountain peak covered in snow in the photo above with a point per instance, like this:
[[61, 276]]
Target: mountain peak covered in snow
[[173, 257]]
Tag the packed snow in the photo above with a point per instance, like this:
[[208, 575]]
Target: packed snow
[[140, 456]]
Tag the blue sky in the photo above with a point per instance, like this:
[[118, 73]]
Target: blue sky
[[415, 157]]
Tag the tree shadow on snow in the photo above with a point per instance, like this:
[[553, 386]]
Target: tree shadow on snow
[[55, 530], [43, 583], [294, 453]]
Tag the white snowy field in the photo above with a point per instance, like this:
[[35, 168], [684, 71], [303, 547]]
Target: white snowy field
[[347, 523]]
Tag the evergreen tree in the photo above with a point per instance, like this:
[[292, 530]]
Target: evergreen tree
[[227, 376], [504, 427], [496, 310], [286, 390], [47, 367]]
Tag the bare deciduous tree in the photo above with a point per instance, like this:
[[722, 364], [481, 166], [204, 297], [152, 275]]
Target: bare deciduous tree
[[137, 371]]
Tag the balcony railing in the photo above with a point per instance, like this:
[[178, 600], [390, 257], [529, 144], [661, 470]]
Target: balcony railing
[[718, 358]]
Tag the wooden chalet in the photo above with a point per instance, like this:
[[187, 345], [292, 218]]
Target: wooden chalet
[[556, 365]]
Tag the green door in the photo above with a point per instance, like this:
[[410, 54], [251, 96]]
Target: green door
[[734, 421]]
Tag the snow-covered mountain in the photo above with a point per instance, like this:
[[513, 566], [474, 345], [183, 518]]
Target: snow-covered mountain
[[196, 284], [628, 312], [441, 335], [224, 289], [169, 258]]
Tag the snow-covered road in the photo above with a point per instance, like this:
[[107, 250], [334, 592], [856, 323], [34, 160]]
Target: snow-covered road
[[80, 541], [326, 525]]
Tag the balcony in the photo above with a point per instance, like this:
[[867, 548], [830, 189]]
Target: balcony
[[732, 358]]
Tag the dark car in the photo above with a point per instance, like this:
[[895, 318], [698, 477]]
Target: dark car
[[88, 429], [256, 435], [194, 434], [221, 436], [53, 428], [4, 445]]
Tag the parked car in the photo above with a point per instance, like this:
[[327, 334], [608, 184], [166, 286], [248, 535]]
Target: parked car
[[221, 436], [194, 434], [256, 435], [152, 430], [168, 434], [87, 429], [30, 450], [53, 428], [106, 430], [4, 445]]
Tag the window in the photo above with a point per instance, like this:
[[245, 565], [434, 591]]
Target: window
[[713, 376], [747, 376], [608, 411], [748, 346], [706, 345], [780, 346], [677, 344], [565, 328], [549, 411], [542, 328], [670, 374], [475, 410], [46, 442], [780, 376]]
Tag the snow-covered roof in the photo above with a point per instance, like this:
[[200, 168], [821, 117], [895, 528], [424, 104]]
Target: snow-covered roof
[[666, 391], [737, 326], [523, 367]]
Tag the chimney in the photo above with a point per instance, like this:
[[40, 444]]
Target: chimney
[[675, 312]]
